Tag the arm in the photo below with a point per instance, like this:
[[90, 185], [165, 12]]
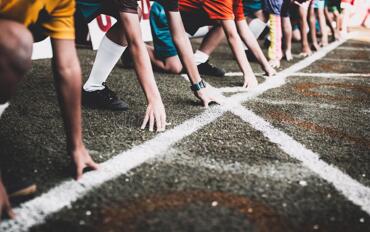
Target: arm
[[4, 202], [155, 111], [251, 42], [67, 75], [238, 51], [185, 50]]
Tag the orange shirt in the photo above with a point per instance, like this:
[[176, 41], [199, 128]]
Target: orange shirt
[[54, 16], [215, 9]]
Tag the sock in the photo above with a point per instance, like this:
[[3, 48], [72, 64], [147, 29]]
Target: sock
[[275, 51], [3, 107], [200, 57], [106, 58]]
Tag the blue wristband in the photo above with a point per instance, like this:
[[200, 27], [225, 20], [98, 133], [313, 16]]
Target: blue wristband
[[198, 86]]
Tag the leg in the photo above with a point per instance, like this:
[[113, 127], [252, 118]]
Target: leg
[[212, 40], [275, 51], [170, 64], [312, 23], [95, 92], [15, 56], [306, 50], [323, 27], [287, 30]]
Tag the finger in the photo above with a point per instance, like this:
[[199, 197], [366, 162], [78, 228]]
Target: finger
[[93, 165], [158, 122], [151, 121], [205, 103], [146, 119], [79, 171], [164, 119], [9, 210]]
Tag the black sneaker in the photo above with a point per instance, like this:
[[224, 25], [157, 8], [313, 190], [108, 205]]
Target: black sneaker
[[208, 69], [103, 99], [126, 59]]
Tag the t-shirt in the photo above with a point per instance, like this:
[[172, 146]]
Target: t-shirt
[[54, 16]]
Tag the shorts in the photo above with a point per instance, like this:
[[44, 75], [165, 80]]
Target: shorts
[[319, 4], [334, 5], [89, 9], [277, 7], [251, 7], [164, 46]]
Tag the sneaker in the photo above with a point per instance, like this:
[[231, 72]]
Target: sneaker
[[208, 69], [103, 99], [126, 59]]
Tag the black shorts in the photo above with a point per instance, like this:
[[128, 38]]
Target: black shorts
[[89, 9], [195, 20]]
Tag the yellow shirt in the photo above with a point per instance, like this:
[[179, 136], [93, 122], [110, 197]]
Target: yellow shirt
[[54, 16]]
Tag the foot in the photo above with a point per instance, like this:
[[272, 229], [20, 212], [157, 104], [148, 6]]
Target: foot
[[275, 63], [208, 69], [288, 55], [126, 59], [103, 99]]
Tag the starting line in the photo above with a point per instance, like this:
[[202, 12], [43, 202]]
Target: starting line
[[35, 211]]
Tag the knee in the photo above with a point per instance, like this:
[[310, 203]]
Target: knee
[[175, 68], [15, 56], [16, 45]]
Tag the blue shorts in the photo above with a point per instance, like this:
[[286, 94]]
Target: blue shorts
[[164, 46], [319, 4], [277, 7], [251, 7]]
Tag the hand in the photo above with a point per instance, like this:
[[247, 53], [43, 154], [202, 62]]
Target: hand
[[155, 114], [250, 82], [206, 97], [82, 160], [4, 202]]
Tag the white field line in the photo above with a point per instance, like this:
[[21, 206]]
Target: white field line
[[333, 75], [289, 172], [350, 188], [346, 60], [307, 104], [35, 211], [353, 49]]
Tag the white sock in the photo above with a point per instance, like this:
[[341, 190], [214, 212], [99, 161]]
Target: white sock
[[3, 107], [200, 57], [106, 58]]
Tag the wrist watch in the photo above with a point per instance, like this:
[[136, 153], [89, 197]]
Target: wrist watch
[[198, 86]]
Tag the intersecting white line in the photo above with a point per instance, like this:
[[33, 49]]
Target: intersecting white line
[[354, 49], [308, 104], [350, 188], [35, 211]]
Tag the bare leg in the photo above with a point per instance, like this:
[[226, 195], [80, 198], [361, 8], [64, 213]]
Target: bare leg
[[287, 30], [212, 40], [306, 50], [171, 64], [312, 22], [15, 56], [329, 22], [323, 27]]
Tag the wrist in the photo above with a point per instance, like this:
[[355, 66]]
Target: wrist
[[198, 86]]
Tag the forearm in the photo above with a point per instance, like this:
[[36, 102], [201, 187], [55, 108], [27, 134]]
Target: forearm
[[142, 64], [143, 69], [236, 46], [68, 85], [183, 46], [251, 42]]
